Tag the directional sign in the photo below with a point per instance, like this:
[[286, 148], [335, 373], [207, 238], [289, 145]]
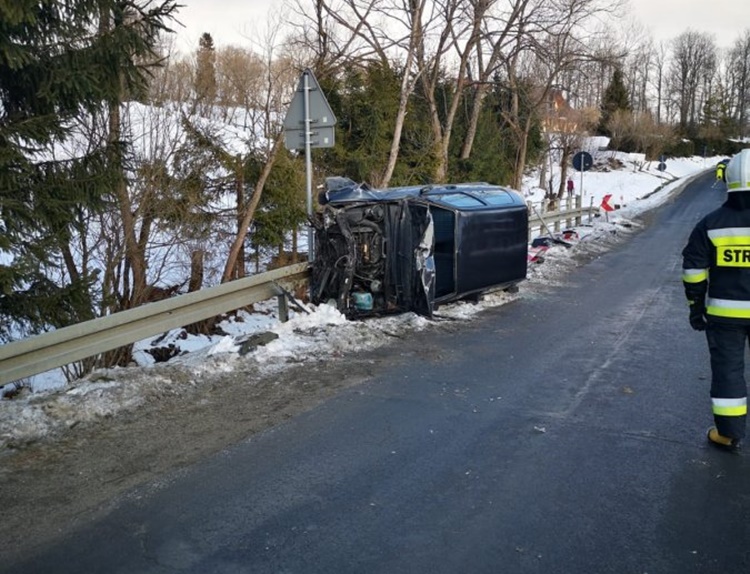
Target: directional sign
[[606, 206], [321, 119], [582, 161]]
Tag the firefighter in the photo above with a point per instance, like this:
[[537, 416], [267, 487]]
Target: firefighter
[[716, 276], [721, 170]]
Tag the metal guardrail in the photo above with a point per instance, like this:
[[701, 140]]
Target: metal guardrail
[[549, 221], [48, 351], [541, 218]]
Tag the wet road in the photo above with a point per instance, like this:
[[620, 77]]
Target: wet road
[[562, 433]]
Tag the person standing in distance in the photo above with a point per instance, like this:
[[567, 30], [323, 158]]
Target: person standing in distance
[[721, 170], [716, 276]]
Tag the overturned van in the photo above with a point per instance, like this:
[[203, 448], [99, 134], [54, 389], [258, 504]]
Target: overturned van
[[380, 251]]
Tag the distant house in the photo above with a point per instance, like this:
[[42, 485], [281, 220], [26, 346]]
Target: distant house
[[561, 117]]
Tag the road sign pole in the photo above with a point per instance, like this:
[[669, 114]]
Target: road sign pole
[[309, 106], [582, 161], [308, 168], [580, 192]]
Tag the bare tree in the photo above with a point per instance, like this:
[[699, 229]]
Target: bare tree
[[530, 46], [620, 127], [332, 34], [693, 66], [587, 81], [352, 32], [501, 28], [555, 39], [651, 137], [173, 80], [565, 129], [267, 135], [412, 43], [638, 66], [658, 78], [240, 79], [738, 82], [459, 26]]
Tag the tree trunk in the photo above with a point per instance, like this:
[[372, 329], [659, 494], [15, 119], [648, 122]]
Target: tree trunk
[[542, 175], [523, 138], [295, 255], [196, 270], [133, 253], [436, 128], [249, 212], [407, 88], [476, 110], [239, 268], [397, 131]]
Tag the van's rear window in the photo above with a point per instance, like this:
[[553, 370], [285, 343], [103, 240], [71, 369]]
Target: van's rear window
[[494, 196], [456, 199]]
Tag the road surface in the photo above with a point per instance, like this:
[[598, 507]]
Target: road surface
[[561, 433]]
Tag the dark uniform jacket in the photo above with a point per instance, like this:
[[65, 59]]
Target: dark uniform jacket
[[716, 261]]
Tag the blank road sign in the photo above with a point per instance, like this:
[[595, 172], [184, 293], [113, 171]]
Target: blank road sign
[[319, 137], [322, 119]]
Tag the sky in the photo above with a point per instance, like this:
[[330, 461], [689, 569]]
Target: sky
[[48, 405], [228, 21], [237, 21], [667, 19]]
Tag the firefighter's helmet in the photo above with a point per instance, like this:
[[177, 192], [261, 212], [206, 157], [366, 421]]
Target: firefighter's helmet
[[738, 172]]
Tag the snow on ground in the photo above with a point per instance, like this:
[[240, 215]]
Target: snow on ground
[[49, 406]]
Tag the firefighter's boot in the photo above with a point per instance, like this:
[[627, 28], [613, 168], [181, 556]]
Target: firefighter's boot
[[722, 442]]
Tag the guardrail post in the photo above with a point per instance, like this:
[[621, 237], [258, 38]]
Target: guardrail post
[[528, 227], [283, 308], [557, 203], [551, 214]]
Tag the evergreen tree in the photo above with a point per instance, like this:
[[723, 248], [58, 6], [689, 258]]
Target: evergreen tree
[[365, 101], [58, 67], [282, 208], [205, 76], [615, 99], [716, 120], [495, 147]]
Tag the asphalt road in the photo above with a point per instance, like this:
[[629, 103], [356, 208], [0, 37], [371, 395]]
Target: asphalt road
[[562, 433]]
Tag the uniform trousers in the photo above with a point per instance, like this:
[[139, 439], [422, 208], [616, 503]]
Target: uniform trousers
[[726, 345]]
